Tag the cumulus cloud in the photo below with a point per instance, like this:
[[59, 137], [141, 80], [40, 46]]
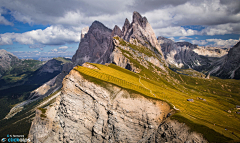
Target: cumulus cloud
[[175, 31], [218, 18], [53, 35], [229, 28], [184, 37], [217, 42], [223, 43], [71, 12], [167, 17], [63, 47], [54, 50], [199, 42], [3, 20]]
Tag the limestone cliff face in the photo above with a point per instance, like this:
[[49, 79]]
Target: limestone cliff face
[[210, 51], [87, 112], [94, 45]]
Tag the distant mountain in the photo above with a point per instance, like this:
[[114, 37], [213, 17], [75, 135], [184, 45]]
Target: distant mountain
[[186, 55], [229, 65], [7, 60]]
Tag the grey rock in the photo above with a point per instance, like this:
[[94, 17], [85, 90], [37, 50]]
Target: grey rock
[[116, 31], [142, 31], [94, 46], [125, 27], [86, 112], [7, 60], [183, 55], [229, 65]]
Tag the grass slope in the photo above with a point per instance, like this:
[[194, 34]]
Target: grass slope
[[207, 117]]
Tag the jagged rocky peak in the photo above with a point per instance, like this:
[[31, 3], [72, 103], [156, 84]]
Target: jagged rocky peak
[[116, 31], [98, 25], [125, 26], [141, 30], [137, 18], [94, 46]]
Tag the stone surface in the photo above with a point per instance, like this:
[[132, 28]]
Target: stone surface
[[183, 55], [84, 31], [141, 30], [210, 51], [94, 46], [86, 112], [229, 65], [7, 60]]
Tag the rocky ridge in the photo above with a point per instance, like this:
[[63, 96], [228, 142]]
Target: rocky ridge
[[87, 112], [229, 65], [187, 55]]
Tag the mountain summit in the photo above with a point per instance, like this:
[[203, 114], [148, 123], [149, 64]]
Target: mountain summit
[[141, 30], [94, 45]]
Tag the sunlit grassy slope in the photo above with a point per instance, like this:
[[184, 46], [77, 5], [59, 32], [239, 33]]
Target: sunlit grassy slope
[[209, 117]]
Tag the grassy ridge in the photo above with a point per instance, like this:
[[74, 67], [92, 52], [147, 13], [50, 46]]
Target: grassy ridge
[[205, 113], [210, 116]]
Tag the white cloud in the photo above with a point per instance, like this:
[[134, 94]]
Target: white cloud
[[166, 17], [218, 18], [184, 37], [54, 50], [222, 29], [175, 31], [53, 35], [199, 42], [217, 42], [3, 20], [223, 43], [63, 47]]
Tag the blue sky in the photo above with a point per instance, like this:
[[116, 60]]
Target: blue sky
[[33, 28]]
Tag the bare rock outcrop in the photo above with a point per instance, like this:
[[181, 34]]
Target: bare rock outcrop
[[229, 65], [87, 112], [173, 131], [7, 60], [94, 46], [141, 30], [210, 51]]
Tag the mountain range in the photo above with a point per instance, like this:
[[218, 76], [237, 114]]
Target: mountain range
[[127, 85]]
